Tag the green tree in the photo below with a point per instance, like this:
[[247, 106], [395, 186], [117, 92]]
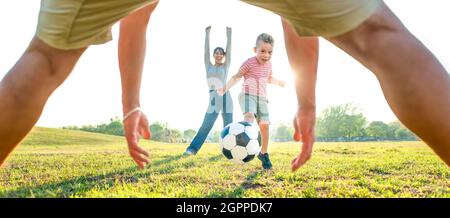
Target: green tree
[[283, 133], [393, 126], [114, 127], [378, 129], [400, 132], [403, 133], [188, 135], [162, 133], [157, 130], [175, 136], [341, 122], [213, 136]]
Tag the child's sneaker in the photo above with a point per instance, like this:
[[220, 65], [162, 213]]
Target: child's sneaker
[[264, 158]]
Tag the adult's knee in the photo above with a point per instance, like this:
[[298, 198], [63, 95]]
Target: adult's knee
[[38, 72], [53, 64], [370, 36]]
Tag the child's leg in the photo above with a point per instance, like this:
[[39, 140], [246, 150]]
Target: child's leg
[[263, 156], [248, 105], [264, 129], [249, 117], [263, 122]]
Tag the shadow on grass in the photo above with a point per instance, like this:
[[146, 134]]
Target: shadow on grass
[[190, 162], [165, 160], [75, 186], [79, 185], [215, 158], [250, 182]]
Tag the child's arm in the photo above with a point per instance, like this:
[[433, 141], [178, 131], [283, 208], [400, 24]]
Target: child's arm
[[275, 81], [233, 80], [207, 55]]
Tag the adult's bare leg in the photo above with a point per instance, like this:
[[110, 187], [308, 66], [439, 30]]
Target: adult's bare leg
[[27, 86], [416, 86]]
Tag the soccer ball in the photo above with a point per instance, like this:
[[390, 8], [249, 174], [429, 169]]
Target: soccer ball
[[240, 142]]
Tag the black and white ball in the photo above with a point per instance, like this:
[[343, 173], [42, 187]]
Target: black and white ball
[[240, 141]]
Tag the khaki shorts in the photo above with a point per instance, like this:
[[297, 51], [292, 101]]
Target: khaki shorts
[[257, 105], [72, 24], [325, 18]]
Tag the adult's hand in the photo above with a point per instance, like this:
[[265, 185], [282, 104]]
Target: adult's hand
[[135, 127], [304, 123]]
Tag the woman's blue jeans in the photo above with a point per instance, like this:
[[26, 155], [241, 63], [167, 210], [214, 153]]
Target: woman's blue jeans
[[217, 104]]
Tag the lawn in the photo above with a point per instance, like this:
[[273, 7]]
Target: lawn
[[75, 164]]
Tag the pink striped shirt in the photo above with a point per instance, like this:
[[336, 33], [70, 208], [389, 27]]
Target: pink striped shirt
[[256, 76]]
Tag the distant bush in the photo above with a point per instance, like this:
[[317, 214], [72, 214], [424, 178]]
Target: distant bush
[[114, 127], [159, 131]]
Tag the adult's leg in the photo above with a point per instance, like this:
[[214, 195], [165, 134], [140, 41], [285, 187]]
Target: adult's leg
[[227, 118], [200, 137], [416, 86], [208, 122], [27, 86]]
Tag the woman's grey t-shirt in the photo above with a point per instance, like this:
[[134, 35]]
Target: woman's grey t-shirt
[[216, 76]]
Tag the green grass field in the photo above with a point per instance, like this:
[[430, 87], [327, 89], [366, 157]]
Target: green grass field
[[66, 163]]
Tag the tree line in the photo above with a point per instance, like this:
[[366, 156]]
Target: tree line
[[343, 122], [160, 131], [346, 122]]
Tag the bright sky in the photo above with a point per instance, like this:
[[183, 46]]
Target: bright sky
[[174, 86]]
